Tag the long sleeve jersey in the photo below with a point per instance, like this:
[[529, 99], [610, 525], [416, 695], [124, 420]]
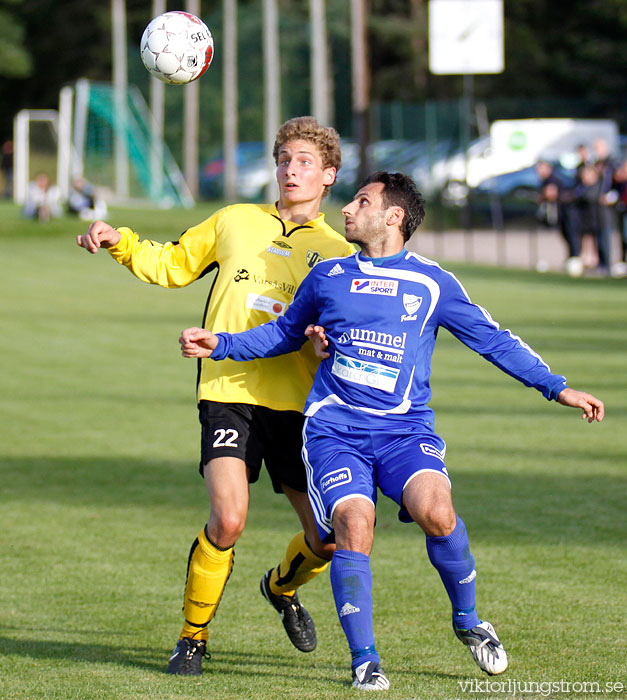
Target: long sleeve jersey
[[260, 261], [381, 317]]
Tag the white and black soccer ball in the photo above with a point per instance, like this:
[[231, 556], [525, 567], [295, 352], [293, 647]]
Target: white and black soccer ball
[[176, 47]]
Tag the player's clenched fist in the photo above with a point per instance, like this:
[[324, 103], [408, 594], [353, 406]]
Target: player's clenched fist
[[197, 342], [99, 235]]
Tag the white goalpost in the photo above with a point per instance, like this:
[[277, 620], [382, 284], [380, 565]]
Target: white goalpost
[[87, 136]]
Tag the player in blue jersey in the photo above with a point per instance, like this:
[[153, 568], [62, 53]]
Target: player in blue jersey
[[368, 424]]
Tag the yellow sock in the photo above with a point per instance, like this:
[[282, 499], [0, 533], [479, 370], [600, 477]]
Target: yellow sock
[[299, 565], [208, 570]]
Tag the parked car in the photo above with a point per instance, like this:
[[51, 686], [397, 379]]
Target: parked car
[[250, 157], [521, 184], [395, 155]]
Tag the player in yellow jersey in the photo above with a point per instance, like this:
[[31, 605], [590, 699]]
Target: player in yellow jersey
[[249, 412]]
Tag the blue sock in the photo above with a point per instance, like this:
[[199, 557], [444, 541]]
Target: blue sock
[[452, 558], [351, 581]]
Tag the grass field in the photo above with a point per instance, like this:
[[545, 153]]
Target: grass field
[[101, 499]]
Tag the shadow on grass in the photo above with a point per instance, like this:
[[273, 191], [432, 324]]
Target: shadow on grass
[[585, 509], [225, 662], [150, 658], [147, 658]]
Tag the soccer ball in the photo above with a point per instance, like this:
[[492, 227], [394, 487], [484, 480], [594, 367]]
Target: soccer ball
[[176, 47]]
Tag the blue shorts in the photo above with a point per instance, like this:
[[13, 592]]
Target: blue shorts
[[351, 462]]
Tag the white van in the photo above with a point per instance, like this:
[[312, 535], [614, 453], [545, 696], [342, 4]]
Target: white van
[[514, 144]]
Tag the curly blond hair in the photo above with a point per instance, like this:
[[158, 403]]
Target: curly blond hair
[[325, 139]]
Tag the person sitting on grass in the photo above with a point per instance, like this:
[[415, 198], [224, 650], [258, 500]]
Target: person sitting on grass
[[43, 199]]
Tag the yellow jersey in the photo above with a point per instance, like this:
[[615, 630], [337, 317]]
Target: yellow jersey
[[260, 261]]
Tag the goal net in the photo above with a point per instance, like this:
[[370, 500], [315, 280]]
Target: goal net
[[104, 136]]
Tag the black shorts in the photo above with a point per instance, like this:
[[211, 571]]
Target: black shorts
[[255, 434]]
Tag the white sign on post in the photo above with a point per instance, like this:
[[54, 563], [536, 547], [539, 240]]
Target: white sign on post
[[466, 37]]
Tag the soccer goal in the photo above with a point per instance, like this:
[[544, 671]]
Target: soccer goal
[[104, 136]]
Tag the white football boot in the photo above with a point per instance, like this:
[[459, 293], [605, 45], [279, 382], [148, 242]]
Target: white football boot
[[485, 647]]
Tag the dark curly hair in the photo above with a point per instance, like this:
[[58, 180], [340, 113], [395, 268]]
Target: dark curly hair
[[400, 190]]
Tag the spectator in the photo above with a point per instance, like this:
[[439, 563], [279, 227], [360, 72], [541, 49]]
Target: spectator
[[84, 202], [587, 195], [620, 187], [6, 165], [605, 167], [584, 159], [43, 199], [556, 206]]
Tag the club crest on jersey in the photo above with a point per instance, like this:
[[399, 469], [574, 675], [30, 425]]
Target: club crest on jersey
[[336, 478], [313, 257], [411, 303], [386, 288]]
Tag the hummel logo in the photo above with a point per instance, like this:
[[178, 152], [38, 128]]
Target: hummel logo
[[337, 269], [348, 609]]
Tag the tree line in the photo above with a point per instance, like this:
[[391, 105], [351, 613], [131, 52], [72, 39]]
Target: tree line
[[551, 50]]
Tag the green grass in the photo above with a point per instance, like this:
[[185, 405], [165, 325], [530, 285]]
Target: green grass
[[100, 496]]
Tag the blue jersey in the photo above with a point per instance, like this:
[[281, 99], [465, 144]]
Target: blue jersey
[[381, 317]]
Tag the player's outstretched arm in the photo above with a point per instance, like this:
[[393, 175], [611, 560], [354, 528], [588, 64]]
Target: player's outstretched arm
[[99, 235], [593, 408], [319, 339], [197, 342]]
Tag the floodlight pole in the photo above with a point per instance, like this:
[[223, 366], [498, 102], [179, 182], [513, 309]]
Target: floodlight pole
[[229, 81], [361, 83], [320, 92], [157, 111], [466, 123], [120, 87], [190, 119], [272, 85]]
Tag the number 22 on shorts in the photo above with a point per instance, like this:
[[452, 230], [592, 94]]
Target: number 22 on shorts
[[225, 438]]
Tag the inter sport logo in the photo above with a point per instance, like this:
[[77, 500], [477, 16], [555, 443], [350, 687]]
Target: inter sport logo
[[386, 288]]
